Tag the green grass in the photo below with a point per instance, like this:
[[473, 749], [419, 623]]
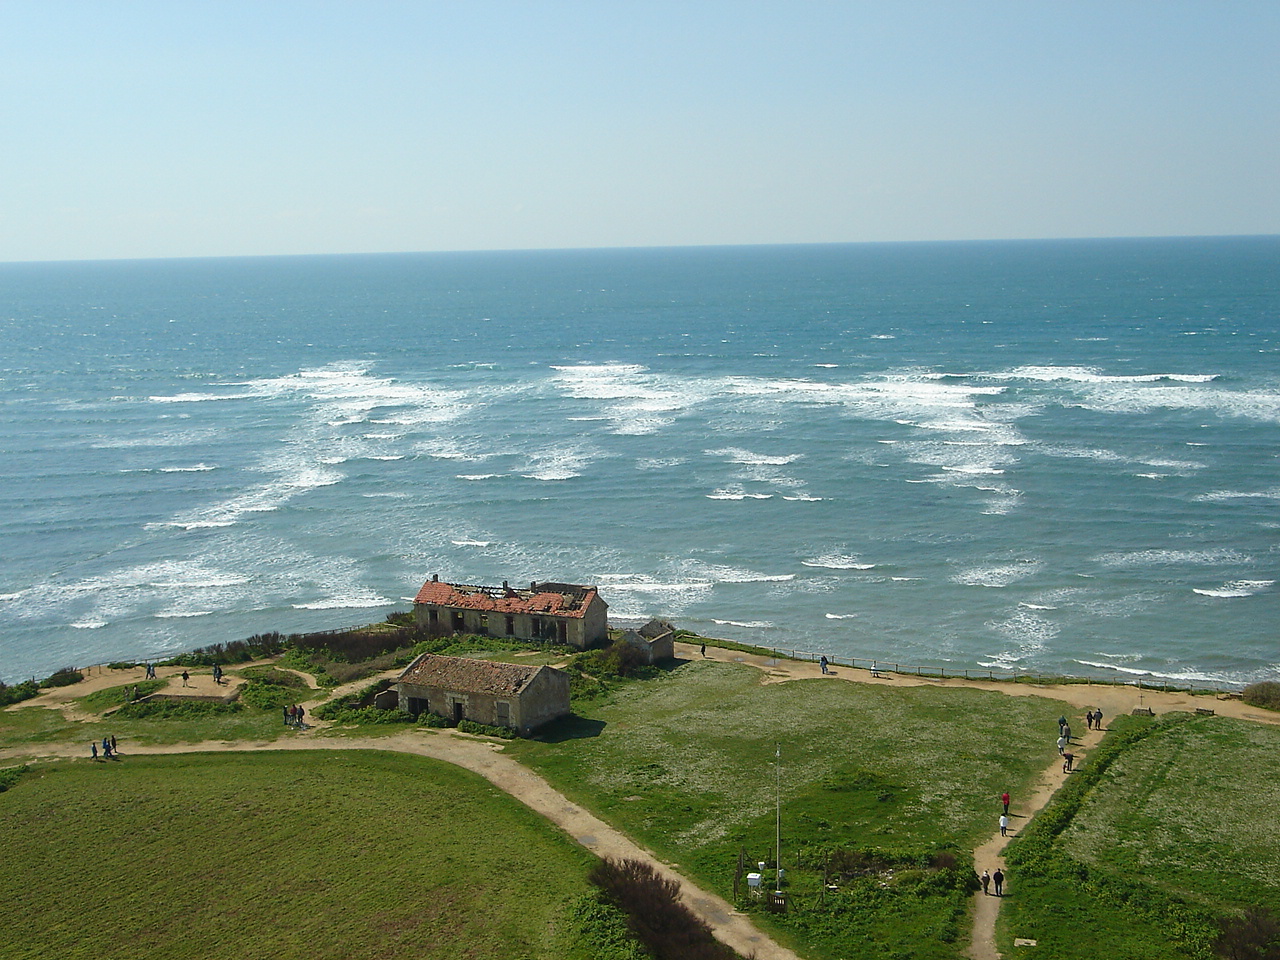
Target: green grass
[[1192, 810], [1169, 825], [283, 855], [685, 764]]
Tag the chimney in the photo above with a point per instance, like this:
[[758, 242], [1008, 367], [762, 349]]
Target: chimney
[[505, 585], [533, 585], [435, 578]]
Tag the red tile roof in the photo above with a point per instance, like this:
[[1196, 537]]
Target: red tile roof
[[555, 599], [465, 675]]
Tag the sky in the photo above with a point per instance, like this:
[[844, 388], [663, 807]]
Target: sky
[[226, 128]]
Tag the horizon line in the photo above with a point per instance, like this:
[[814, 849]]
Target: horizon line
[[673, 246]]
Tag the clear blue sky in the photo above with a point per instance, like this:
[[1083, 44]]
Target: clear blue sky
[[184, 128]]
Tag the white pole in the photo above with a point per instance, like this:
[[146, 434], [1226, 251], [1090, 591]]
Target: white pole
[[777, 753]]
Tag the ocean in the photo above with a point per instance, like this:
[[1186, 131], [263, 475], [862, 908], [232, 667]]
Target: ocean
[[1055, 456]]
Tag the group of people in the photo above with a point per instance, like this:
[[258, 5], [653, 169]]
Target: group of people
[[293, 716], [997, 878], [108, 748], [217, 673]]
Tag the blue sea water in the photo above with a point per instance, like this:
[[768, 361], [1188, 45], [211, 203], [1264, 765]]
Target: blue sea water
[[1049, 456]]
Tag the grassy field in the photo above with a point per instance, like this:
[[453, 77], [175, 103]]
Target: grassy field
[[1170, 826], [306, 855], [884, 791], [686, 764]]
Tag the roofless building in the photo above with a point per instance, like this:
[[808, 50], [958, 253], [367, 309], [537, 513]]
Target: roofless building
[[565, 613]]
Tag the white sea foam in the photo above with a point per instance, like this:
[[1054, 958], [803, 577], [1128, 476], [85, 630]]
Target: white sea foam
[[1237, 588], [89, 624], [835, 561], [182, 614], [1212, 555], [1036, 606], [1184, 675], [738, 455], [480, 476], [471, 543], [840, 616], [749, 624], [344, 603], [736, 492], [1225, 496], [803, 498], [997, 575], [1091, 375], [198, 468]]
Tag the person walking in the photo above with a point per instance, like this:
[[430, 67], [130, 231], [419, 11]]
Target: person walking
[[823, 664], [998, 879], [185, 677], [1062, 745], [1004, 798], [1004, 824], [1088, 720], [93, 749], [1068, 759], [986, 883], [704, 650], [1097, 719]]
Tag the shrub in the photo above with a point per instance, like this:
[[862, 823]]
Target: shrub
[[1254, 936], [602, 929], [11, 776], [654, 912], [175, 709], [18, 692], [485, 730], [363, 715], [1265, 694], [428, 719], [62, 678]]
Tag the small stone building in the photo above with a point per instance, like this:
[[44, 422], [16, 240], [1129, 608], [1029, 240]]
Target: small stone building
[[498, 694], [557, 612], [656, 639]]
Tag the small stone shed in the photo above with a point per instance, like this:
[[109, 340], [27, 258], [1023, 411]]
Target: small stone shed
[[568, 613], [656, 639], [499, 694]]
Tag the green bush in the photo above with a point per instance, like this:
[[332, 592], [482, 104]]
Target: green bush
[[11, 776], [655, 913], [600, 931], [175, 710], [363, 715], [485, 730], [429, 719], [1265, 694], [62, 678], [18, 692]]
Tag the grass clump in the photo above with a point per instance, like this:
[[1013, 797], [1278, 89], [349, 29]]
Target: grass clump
[[651, 903], [63, 677], [1265, 694], [267, 688]]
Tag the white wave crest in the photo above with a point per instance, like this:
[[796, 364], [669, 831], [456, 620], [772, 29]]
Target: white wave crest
[[1237, 588]]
